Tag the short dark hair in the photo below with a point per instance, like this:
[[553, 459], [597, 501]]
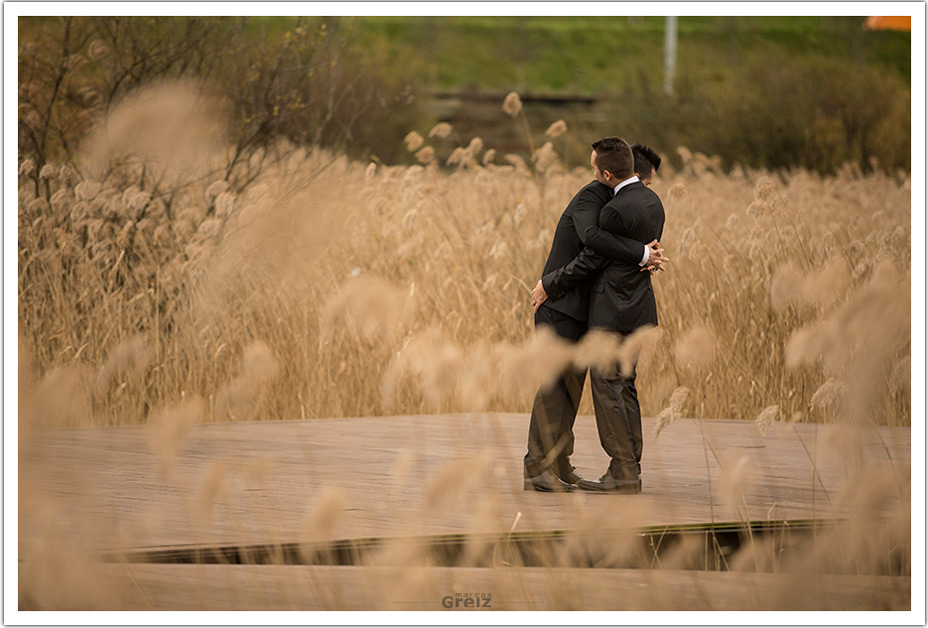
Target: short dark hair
[[615, 155], [645, 159]]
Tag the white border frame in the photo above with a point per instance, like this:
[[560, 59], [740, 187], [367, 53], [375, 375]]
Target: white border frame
[[12, 10]]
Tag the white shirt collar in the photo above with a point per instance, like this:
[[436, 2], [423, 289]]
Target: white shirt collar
[[627, 181]]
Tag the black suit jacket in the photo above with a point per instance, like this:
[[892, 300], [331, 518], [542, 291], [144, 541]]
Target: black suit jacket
[[579, 227], [621, 297]]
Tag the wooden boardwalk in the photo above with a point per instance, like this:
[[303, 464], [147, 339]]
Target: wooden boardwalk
[[88, 490], [416, 475]]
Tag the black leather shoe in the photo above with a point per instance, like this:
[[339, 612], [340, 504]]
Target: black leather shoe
[[547, 482], [607, 483], [572, 478]]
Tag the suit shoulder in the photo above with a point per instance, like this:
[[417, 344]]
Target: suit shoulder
[[651, 194], [655, 202], [645, 196], [595, 189]]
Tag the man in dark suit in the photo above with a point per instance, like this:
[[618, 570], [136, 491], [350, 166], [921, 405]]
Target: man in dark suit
[[621, 301], [550, 442]]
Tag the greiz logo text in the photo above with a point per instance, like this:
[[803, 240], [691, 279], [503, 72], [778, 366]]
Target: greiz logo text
[[467, 600]]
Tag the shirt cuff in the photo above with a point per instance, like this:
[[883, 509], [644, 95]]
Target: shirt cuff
[[647, 255]]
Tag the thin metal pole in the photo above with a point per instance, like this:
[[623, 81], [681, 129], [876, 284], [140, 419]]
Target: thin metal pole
[[670, 53]]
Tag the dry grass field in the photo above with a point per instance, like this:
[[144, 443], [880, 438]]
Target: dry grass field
[[328, 288], [154, 292]]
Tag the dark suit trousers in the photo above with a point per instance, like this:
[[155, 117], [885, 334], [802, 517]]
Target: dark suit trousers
[[618, 419], [550, 431]]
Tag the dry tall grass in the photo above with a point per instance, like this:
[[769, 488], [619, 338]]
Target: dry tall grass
[[330, 288]]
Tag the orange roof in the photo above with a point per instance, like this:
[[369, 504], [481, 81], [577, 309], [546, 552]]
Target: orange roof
[[889, 22]]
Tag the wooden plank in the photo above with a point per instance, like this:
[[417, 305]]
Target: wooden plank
[[316, 480]]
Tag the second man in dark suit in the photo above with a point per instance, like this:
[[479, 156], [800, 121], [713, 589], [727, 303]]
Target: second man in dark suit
[[547, 463]]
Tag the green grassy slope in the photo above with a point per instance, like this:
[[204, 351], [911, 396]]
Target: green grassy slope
[[590, 55]]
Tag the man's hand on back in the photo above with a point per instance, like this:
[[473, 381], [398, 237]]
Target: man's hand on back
[[656, 259], [539, 295]]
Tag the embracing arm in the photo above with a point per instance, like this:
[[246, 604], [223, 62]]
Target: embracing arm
[[559, 281], [587, 223], [600, 247], [612, 220]]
